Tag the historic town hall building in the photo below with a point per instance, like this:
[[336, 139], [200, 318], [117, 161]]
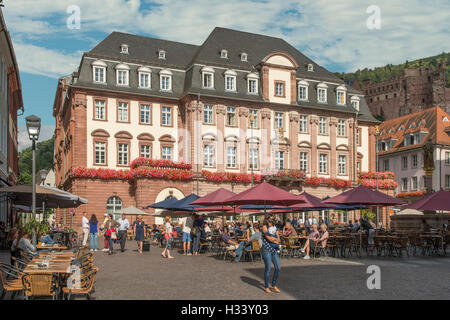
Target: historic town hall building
[[239, 103]]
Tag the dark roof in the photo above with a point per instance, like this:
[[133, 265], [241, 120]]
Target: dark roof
[[145, 50]]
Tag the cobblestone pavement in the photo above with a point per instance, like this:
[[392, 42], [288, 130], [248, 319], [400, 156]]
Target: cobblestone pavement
[[130, 275]]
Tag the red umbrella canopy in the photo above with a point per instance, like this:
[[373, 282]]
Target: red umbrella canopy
[[214, 198], [213, 208], [436, 201], [265, 194], [311, 202], [364, 196]]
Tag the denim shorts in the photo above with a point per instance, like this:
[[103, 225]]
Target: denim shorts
[[187, 237]]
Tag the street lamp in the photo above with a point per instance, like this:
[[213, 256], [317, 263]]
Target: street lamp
[[43, 175], [33, 128]]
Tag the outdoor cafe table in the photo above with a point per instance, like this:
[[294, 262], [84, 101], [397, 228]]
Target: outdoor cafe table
[[52, 247], [434, 239], [56, 255]]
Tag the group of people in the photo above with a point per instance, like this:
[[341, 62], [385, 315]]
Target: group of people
[[112, 230]]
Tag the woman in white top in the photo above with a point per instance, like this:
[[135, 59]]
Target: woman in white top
[[168, 234]]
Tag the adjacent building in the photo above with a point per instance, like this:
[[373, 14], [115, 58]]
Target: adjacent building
[[238, 103], [401, 150], [10, 104]]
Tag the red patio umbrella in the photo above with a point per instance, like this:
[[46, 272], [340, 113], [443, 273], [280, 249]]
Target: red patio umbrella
[[264, 194], [214, 198], [364, 196], [213, 208], [310, 202], [437, 201]]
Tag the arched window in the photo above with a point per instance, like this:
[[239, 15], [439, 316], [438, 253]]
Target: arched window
[[113, 205]]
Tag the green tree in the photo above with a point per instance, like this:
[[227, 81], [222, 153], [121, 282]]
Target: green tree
[[44, 159]]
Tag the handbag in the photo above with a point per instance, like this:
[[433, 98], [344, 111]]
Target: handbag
[[113, 235], [194, 231]]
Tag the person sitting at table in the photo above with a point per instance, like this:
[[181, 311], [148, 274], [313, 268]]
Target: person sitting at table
[[301, 229], [207, 231], [47, 239], [23, 243], [155, 233], [239, 230], [247, 243], [311, 241], [288, 230], [12, 235], [425, 226], [355, 226], [230, 243]]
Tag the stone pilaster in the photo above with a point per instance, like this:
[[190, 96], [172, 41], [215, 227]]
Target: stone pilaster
[[243, 125], [314, 122], [220, 117], [333, 157], [293, 138]]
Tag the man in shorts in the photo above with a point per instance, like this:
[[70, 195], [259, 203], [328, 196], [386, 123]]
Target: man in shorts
[[188, 224]]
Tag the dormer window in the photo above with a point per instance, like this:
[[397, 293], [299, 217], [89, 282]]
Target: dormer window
[[230, 80], [322, 93], [224, 54], [144, 75], [99, 71], [244, 57], [310, 67], [252, 83], [124, 48], [208, 77], [355, 102], [303, 90], [122, 74], [165, 82], [340, 95], [162, 54]]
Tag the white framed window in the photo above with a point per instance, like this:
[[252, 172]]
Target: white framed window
[[145, 113], [146, 151], [100, 110], [279, 89], [122, 111], [414, 183], [224, 54], [166, 116], [100, 153], [162, 54], [253, 158], [404, 163], [279, 120], [341, 128], [323, 163], [404, 184], [253, 113], [231, 157], [166, 83], [166, 153], [244, 57], [99, 74], [386, 164], [279, 160], [447, 157], [310, 67], [252, 86], [322, 93], [122, 74], [208, 115], [113, 205], [122, 159], [414, 161], [145, 80], [124, 48], [302, 93], [208, 80], [230, 83], [99, 71], [340, 97], [208, 154], [303, 123], [342, 165], [231, 116], [304, 161], [323, 125], [355, 102], [447, 181]]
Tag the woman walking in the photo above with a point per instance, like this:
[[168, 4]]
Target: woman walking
[[270, 255], [168, 234], [111, 233], [93, 232], [139, 232]]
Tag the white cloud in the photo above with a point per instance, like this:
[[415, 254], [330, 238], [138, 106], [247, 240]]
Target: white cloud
[[330, 32], [41, 61], [25, 142]]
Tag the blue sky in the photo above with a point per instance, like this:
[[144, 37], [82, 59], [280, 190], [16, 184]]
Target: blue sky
[[333, 33]]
